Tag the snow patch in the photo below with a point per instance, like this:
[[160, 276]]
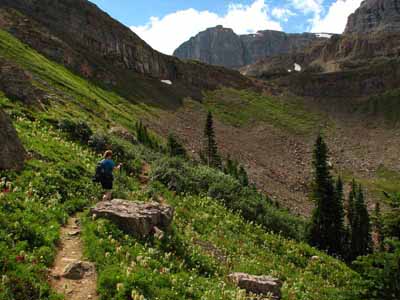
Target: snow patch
[[169, 82], [324, 35], [297, 67]]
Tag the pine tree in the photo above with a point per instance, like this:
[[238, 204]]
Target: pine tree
[[243, 177], [174, 148], [327, 227], [210, 154], [378, 227], [360, 240], [338, 236]]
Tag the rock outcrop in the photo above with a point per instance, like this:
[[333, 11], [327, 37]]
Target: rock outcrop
[[375, 16], [264, 285], [79, 35], [16, 83], [12, 152], [136, 218], [221, 46]]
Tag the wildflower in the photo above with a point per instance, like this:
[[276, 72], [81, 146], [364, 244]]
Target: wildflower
[[120, 287]]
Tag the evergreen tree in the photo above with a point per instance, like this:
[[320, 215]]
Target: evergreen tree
[[327, 228], [243, 177], [174, 148], [378, 227], [338, 236], [210, 154], [360, 241]]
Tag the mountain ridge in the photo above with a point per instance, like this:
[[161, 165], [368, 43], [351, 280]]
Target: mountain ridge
[[222, 46]]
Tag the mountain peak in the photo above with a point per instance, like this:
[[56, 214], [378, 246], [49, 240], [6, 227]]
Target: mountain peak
[[375, 16]]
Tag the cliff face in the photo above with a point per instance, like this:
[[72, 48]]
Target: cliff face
[[82, 37], [221, 46], [374, 16]]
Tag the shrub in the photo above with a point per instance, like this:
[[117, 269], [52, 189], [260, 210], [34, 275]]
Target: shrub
[[183, 177], [99, 142], [77, 131]]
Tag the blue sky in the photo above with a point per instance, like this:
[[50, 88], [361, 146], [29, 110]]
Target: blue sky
[[165, 24]]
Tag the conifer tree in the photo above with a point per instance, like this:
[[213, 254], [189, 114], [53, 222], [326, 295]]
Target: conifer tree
[[327, 227], [210, 154], [378, 227], [174, 148], [243, 177], [361, 241]]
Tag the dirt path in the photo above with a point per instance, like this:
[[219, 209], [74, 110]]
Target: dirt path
[[70, 252]]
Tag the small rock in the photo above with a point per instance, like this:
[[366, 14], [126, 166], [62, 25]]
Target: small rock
[[264, 285], [74, 233], [77, 270]]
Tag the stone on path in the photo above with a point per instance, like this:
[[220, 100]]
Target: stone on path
[[78, 269], [264, 285], [137, 218]]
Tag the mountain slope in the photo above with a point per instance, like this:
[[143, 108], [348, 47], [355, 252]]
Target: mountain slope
[[56, 182], [86, 40]]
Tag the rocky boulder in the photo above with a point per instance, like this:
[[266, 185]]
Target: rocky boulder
[[12, 152], [374, 16], [264, 285], [136, 218]]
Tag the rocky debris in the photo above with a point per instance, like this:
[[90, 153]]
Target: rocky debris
[[16, 83], [136, 218], [12, 152], [221, 46], [375, 16], [264, 285], [123, 133], [78, 269]]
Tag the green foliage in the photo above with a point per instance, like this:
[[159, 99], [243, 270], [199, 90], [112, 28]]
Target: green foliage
[[391, 218], [243, 108], [183, 177], [381, 273], [54, 183], [360, 225], [232, 168], [77, 131], [209, 155], [145, 138], [174, 147], [327, 227]]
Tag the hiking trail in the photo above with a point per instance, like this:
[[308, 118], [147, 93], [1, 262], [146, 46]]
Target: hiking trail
[[70, 275]]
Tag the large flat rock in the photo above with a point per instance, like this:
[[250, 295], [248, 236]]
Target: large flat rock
[[136, 218], [262, 285]]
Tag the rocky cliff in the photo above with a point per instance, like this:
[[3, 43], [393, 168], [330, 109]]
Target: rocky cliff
[[82, 37], [374, 16], [221, 46]]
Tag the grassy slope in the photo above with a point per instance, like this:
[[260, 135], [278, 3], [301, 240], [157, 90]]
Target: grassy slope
[[56, 182], [244, 108]]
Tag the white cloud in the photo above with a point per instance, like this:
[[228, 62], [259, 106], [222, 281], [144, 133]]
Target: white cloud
[[167, 33], [282, 14], [336, 19], [308, 6]]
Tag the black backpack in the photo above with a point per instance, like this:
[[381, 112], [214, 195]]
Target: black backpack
[[99, 173]]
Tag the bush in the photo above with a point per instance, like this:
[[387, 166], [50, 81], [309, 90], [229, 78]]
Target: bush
[[99, 142], [381, 273], [77, 131], [183, 177]]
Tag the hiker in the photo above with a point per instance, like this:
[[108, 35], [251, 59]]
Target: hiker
[[104, 174]]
